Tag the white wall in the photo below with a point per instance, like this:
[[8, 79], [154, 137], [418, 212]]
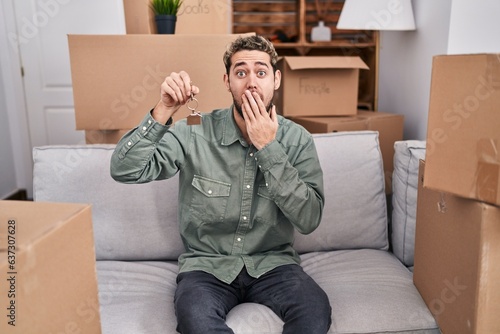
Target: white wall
[[406, 63], [443, 27], [474, 27]]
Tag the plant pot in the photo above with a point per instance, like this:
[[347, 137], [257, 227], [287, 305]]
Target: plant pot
[[165, 24]]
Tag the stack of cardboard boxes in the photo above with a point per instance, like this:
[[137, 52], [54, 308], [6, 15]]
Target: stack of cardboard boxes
[[116, 79], [457, 245], [321, 94]]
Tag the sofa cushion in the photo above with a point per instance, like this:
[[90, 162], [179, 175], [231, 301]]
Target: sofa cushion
[[137, 297], [124, 228], [355, 212], [404, 197], [370, 291]]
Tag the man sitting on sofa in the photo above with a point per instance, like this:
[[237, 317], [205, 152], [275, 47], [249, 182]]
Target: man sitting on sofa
[[248, 178]]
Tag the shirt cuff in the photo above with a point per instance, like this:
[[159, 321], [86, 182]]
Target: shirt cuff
[[150, 129], [270, 155]]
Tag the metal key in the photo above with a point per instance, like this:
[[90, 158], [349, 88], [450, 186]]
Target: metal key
[[195, 117]]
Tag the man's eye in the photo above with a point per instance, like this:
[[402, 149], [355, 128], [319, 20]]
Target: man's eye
[[240, 74], [261, 73]]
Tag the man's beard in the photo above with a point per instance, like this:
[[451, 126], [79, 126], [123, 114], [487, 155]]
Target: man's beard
[[240, 110]]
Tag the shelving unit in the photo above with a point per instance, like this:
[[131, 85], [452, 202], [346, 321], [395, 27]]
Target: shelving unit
[[289, 22]]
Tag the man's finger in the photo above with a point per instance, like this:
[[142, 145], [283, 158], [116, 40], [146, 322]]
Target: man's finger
[[259, 103], [247, 109], [176, 86], [250, 100], [256, 104], [187, 84], [274, 116]]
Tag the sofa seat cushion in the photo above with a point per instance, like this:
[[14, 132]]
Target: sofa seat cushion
[[137, 297], [370, 292]]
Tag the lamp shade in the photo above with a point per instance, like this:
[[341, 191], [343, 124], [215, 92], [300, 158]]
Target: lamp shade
[[377, 15]]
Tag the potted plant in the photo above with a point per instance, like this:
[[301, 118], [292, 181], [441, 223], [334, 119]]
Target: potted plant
[[166, 14]]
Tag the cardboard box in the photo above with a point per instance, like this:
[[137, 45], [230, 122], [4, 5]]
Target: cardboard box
[[116, 78], [139, 17], [47, 269], [194, 17], [319, 86], [463, 133], [389, 126], [205, 17], [457, 252]]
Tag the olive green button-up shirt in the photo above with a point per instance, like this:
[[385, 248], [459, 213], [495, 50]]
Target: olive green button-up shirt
[[238, 206]]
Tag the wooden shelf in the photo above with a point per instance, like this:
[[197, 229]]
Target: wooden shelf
[[305, 47], [324, 45]]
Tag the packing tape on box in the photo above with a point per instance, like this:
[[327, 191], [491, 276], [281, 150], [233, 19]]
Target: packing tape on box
[[488, 169], [493, 71], [441, 205]]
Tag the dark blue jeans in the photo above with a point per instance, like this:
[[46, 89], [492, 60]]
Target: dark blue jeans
[[202, 301]]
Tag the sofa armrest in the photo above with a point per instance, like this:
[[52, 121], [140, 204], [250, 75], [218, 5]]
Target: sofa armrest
[[404, 198]]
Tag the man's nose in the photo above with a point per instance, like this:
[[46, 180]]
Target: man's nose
[[252, 82]]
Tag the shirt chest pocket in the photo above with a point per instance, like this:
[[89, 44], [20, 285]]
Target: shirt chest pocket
[[209, 201]]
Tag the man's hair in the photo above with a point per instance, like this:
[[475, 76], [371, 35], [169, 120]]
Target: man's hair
[[254, 42]]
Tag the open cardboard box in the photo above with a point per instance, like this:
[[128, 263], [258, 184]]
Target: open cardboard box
[[389, 126], [463, 133], [116, 78], [47, 268], [194, 17], [457, 252], [319, 86]]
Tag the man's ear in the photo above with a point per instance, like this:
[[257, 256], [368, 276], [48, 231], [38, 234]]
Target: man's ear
[[226, 81], [277, 79]]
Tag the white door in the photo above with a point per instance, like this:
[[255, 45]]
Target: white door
[[42, 29]]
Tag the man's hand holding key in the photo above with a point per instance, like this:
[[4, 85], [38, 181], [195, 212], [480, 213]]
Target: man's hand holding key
[[175, 91]]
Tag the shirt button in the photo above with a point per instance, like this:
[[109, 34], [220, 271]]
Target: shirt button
[[144, 128], [210, 192], [251, 154], [239, 239], [260, 166], [248, 186], [129, 143], [244, 217], [149, 122], [267, 184]]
